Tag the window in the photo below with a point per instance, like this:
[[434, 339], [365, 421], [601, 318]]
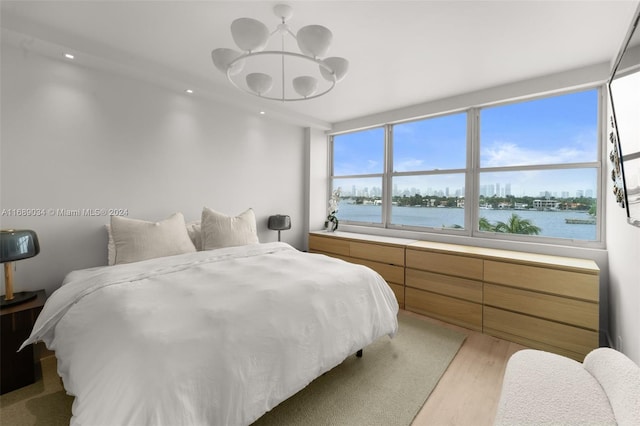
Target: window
[[429, 166], [523, 170], [358, 169], [539, 167]]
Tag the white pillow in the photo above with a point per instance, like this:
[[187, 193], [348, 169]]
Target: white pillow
[[137, 240], [193, 229], [111, 247], [220, 230]]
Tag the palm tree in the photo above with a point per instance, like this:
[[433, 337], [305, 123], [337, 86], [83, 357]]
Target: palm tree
[[485, 225], [517, 225]]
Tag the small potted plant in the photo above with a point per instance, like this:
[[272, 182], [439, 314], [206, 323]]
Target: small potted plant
[[331, 223]]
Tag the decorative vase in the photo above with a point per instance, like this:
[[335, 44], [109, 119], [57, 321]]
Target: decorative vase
[[331, 224]]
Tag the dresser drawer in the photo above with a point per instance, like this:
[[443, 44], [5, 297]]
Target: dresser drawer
[[461, 288], [563, 283], [391, 273], [377, 252], [562, 309], [456, 311], [328, 245], [539, 333], [398, 290], [461, 266]]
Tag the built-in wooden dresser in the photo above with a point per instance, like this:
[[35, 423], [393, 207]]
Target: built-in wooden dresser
[[544, 302], [444, 284], [382, 254]]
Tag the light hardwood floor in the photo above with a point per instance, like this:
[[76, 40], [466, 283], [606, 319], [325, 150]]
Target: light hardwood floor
[[468, 392]]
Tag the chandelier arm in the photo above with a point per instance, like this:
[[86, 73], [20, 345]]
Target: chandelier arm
[[282, 64], [271, 98], [287, 53], [283, 53]]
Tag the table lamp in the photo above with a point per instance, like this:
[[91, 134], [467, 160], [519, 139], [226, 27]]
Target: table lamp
[[279, 223], [16, 244]]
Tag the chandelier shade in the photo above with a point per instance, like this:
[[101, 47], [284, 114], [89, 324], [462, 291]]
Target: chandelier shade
[[259, 70], [334, 68], [250, 35], [223, 57], [305, 85], [314, 40], [259, 83]]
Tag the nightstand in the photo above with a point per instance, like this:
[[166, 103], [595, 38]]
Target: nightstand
[[18, 369]]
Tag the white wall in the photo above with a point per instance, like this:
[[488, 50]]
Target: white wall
[[74, 138], [318, 178], [623, 242], [623, 239]]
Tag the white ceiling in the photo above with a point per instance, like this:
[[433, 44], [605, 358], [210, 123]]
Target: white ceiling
[[401, 53]]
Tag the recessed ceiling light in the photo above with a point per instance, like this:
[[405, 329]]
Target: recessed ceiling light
[[189, 91], [69, 56], [262, 113]]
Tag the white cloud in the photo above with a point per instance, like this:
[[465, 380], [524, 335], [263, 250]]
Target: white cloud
[[408, 164], [510, 154]]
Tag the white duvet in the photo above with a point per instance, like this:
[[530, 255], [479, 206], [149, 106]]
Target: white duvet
[[209, 338]]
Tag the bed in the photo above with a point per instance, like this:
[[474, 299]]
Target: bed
[[210, 337]]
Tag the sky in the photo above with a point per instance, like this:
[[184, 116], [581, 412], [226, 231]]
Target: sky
[[556, 130]]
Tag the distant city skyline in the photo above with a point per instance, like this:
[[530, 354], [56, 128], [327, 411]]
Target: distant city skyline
[[488, 190]]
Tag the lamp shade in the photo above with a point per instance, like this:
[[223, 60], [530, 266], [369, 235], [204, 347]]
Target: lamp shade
[[18, 244], [314, 40], [279, 222], [339, 66], [222, 57], [249, 34], [305, 85], [259, 83]]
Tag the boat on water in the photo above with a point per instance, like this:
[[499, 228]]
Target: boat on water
[[588, 221]]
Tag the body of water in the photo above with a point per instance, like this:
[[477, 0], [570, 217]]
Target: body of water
[[552, 223]]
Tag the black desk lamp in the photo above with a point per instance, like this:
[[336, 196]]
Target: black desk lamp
[[279, 223], [16, 244]]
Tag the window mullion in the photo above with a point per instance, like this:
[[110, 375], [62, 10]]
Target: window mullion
[[472, 179], [387, 188]]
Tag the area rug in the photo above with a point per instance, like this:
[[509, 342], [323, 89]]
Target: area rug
[[387, 386]]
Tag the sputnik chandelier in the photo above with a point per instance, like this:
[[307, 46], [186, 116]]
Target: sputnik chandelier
[[252, 36]]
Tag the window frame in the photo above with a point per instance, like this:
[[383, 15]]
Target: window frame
[[473, 173], [382, 175]]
